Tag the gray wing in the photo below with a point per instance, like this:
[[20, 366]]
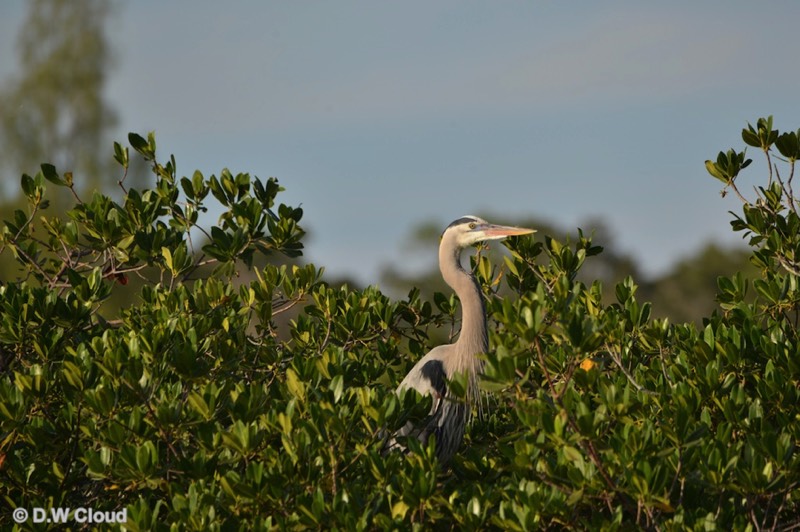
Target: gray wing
[[447, 417]]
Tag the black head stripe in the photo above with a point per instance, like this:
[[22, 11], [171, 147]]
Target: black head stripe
[[462, 220]]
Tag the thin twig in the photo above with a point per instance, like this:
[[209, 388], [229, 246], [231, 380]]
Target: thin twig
[[786, 191], [736, 190], [33, 263], [75, 194], [769, 165], [121, 182], [287, 305], [618, 361]]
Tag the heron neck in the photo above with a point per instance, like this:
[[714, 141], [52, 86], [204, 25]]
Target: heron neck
[[473, 338]]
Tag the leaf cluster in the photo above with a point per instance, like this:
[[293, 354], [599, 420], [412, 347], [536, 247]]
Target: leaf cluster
[[195, 412]]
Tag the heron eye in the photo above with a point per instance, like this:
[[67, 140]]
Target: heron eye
[[472, 225]]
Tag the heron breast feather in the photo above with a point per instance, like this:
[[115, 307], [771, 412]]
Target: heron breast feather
[[429, 375]]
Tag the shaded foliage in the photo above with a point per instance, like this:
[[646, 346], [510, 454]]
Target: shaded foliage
[[192, 413]]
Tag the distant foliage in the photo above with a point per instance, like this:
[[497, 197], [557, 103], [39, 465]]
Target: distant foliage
[[688, 292], [194, 413], [55, 107]]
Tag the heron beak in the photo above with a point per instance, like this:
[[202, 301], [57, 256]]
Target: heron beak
[[502, 231]]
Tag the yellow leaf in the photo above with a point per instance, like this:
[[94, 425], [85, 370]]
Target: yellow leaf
[[295, 385], [399, 509]]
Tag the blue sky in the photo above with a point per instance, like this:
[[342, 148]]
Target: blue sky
[[379, 115]]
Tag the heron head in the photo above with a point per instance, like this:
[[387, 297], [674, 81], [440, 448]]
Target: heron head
[[468, 230]]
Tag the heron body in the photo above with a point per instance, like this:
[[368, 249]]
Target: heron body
[[448, 417]]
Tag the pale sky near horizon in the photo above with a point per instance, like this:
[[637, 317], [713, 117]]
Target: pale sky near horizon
[[379, 115]]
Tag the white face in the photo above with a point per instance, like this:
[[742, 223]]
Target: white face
[[468, 230]]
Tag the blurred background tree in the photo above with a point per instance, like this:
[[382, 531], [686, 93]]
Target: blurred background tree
[[688, 291], [55, 109]]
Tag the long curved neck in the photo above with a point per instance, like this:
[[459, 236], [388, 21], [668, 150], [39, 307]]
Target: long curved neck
[[473, 338]]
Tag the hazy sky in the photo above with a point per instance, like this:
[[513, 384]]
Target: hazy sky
[[379, 115]]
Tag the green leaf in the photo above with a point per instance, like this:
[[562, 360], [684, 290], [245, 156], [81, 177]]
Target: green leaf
[[167, 254], [788, 145], [188, 187], [337, 387], [28, 187], [121, 155], [49, 172], [146, 148], [572, 454], [295, 385], [750, 137], [138, 142], [713, 169]]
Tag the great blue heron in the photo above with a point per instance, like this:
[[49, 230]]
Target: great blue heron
[[448, 416]]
